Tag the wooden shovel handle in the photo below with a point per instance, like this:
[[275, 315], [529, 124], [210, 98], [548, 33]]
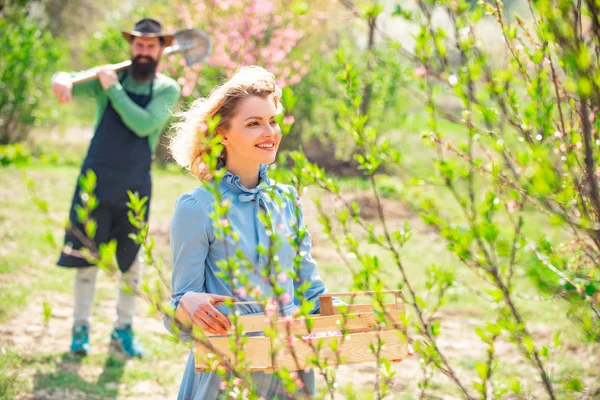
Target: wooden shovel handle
[[90, 75]]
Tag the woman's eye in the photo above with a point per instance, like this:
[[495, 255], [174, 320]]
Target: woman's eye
[[273, 122], [254, 123]]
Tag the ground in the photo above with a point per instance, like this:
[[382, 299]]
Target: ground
[[37, 361]]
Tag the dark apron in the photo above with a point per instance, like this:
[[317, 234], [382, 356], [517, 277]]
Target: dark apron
[[121, 161]]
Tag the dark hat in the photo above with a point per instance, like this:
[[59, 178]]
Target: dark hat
[[148, 27]]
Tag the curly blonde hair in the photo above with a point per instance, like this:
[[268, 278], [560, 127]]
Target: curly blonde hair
[[188, 141]]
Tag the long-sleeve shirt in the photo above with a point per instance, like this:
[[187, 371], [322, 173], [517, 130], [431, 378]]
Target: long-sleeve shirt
[[197, 251], [144, 122]]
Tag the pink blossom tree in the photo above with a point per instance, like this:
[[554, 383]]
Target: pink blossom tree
[[246, 32]]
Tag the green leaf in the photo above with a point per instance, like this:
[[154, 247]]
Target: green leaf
[[300, 8], [585, 86], [528, 343], [515, 386], [47, 312], [583, 59], [574, 385], [482, 369]]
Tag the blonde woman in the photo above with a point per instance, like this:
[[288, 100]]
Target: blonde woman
[[247, 105]]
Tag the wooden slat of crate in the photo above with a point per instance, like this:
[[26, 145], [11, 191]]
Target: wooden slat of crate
[[257, 323], [362, 321], [356, 308], [257, 350], [355, 350]]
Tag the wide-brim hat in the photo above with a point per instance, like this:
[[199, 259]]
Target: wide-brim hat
[[148, 27]]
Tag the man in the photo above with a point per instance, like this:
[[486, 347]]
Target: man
[[132, 110]]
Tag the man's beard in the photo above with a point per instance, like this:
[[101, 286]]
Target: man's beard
[[143, 71]]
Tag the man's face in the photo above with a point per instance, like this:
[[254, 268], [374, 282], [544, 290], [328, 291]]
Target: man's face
[[146, 47], [145, 53]]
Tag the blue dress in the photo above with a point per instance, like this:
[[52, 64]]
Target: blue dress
[[196, 253]]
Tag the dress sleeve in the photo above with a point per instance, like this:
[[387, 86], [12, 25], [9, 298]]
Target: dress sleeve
[[189, 247], [308, 268]]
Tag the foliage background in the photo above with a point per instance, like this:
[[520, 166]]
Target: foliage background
[[430, 78]]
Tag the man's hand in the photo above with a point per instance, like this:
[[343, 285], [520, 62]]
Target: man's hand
[[107, 77], [62, 87]]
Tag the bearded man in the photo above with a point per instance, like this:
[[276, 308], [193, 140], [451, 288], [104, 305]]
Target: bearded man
[[132, 109]]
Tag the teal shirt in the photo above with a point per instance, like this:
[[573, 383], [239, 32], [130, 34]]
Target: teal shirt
[[145, 122]]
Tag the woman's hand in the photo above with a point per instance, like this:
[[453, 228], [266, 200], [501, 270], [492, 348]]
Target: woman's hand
[[200, 309]]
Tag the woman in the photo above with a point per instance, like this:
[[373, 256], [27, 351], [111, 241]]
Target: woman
[[247, 105]]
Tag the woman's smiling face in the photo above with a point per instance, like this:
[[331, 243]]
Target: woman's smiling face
[[253, 135]]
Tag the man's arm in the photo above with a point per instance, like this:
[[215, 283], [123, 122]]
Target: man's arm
[[64, 90], [143, 121], [90, 88]]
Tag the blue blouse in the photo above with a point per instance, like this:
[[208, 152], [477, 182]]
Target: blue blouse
[[196, 252]]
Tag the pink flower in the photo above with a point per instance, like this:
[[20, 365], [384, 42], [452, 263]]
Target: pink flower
[[186, 91], [241, 292], [420, 71], [288, 119], [285, 298], [282, 277], [271, 308], [223, 385], [563, 147], [256, 292], [512, 206], [299, 383], [317, 335], [291, 339], [237, 381]]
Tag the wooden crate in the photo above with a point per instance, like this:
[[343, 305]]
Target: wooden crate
[[355, 347]]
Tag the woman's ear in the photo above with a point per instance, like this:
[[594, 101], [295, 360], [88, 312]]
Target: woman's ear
[[223, 136]]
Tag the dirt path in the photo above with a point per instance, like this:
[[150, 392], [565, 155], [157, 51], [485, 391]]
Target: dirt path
[[458, 339]]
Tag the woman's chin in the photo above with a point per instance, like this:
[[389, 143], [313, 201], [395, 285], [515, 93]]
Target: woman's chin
[[270, 159]]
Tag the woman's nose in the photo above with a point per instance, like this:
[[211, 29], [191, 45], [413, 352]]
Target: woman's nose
[[270, 131]]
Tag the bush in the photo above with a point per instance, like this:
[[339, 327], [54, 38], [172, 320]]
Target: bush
[[29, 56], [14, 154]]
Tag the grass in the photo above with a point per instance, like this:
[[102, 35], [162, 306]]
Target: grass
[[28, 276]]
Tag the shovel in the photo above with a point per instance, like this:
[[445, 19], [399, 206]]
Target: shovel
[[194, 44]]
